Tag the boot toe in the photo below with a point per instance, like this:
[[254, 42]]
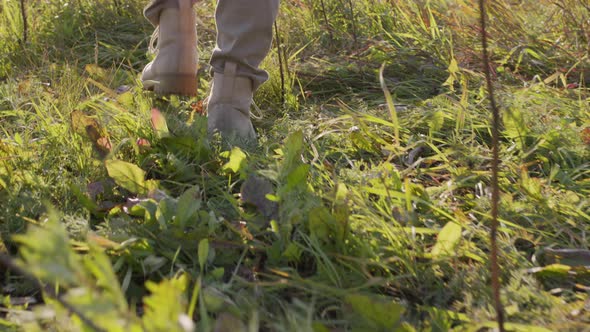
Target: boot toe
[[230, 123], [147, 77]]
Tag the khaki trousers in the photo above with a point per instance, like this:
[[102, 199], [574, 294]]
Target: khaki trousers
[[244, 33]]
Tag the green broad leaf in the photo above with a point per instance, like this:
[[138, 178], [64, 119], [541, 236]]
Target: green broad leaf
[[159, 218], [298, 176], [525, 328], [437, 120], [321, 223], [230, 323], [419, 230], [217, 273], [453, 70], [515, 126], [126, 99], [99, 265], [84, 200], [166, 305], [562, 274], [197, 150], [194, 297], [203, 252], [274, 226], [383, 313], [7, 324], [361, 141], [159, 123], [151, 187], [146, 209], [553, 270], [188, 204], [447, 240], [127, 175], [237, 159], [18, 139], [95, 71], [292, 151], [181, 145], [446, 316], [514, 327], [532, 186], [168, 207], [341, 193], [46, 253], [319, 327], [274, 251], [293, 252], [475, 257], [88, 283], [214, 299], [204, 324], [100, 309]]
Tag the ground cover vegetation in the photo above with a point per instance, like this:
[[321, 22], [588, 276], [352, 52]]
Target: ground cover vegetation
[[365, 207]]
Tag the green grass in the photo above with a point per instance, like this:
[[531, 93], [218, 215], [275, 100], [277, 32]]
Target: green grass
[[378, 217]]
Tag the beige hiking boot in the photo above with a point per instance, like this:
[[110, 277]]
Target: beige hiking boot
[[174, 69], [228, 109]]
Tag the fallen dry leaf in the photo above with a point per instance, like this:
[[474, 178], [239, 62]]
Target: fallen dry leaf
[[586, 135]]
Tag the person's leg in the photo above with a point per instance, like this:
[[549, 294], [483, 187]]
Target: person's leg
[[174, 69], [154, 8], [244, 38]]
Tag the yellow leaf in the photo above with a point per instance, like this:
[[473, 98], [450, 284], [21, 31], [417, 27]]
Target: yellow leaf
[[447, 240]]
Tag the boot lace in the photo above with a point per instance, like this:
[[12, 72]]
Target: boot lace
[[153, 45], [258, 114]]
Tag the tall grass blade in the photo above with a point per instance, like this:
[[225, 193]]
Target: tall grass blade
[[390, 105]]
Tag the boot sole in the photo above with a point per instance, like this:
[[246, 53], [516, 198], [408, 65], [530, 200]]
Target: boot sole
[[185, 85]]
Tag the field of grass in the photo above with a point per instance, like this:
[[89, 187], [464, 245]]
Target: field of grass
[[354, 213]]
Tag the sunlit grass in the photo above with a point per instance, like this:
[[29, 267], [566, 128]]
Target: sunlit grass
[[380, 200]]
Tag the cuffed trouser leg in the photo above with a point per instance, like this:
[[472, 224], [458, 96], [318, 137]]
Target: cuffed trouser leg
[[244, 36], [174, 68], [154, 8]]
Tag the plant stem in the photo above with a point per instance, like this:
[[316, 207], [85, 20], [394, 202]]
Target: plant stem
[[23, 11], [352, 20], [495, 269], [278, 41], [326, 20]]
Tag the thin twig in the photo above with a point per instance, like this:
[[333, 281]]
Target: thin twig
[[353, 22], [326, 20], [118, 7], [278, 41], [23, 12], [495, 269], [8, 263]]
